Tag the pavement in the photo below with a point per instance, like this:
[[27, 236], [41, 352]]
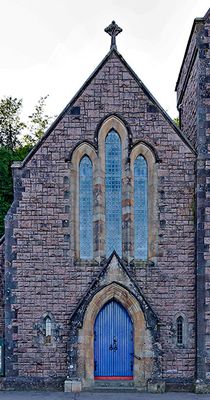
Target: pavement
[[13, 395]]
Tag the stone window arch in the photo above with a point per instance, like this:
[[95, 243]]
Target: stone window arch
[[127, 234], [143, 344], [113, 193], [48, 329], [113, 123], [86, 208], [142, 151], [140, 208], [83, 151], [180, 330]]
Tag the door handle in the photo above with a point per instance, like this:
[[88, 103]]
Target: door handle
[[114, 345]]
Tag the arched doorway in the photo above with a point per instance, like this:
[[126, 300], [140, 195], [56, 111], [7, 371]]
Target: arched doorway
[[143, 361], [113, 343]]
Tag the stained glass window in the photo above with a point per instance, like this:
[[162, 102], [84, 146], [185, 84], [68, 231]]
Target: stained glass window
[[86, 208], [140, 208], [113, 197], [179, 326]]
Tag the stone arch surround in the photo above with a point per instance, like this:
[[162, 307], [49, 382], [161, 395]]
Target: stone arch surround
[[143, 349]]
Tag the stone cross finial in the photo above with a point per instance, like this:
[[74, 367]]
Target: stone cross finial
[[113, 30]]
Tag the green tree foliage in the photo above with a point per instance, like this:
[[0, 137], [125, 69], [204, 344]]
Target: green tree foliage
[[11, 148], [11, 125], [176, 121], [38, 122], [5, 184], [7, 156]]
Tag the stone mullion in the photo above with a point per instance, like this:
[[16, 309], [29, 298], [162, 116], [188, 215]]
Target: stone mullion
[[74, 225], [127, 215], [98, 218]]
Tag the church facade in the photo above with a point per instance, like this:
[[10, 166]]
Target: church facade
[[105, 260]]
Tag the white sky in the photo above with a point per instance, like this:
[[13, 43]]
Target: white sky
[[52, 46]]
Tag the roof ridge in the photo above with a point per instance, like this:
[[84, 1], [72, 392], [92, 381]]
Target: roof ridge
[[153, 99], [70, 103], [83, 87]]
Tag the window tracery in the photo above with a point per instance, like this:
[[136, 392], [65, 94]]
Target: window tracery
[[114, 196], [113, 193]]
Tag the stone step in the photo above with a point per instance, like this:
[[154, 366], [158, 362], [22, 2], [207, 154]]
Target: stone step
[[111, 389], [109, 383], [112, 386]]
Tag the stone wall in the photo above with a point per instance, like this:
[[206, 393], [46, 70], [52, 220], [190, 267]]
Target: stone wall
[[193, 92], [187, 60], [189, 106], [1, 287], [203, 202], [115, 282], [187, 86], [44, 275]]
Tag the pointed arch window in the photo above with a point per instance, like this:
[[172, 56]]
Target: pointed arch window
[[179, 330], [48, 326], [113, 193], [86, 208], [48, 330], [114, 197], [140, 208]]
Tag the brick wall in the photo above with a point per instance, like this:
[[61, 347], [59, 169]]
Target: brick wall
[[45, 274]]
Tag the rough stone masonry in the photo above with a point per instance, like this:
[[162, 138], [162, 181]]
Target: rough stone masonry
[[42, 275]]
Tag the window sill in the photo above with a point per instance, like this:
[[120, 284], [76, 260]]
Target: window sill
[[180, 346], [142, 263]]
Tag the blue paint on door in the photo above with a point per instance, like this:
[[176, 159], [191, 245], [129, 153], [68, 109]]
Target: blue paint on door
[[113, 342]]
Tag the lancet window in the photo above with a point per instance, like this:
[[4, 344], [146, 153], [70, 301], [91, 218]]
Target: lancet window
[[179, 327], [140, 208], [114, 197], [86, 208], [113, 193]]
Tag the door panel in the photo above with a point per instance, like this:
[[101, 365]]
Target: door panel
[[113, 343]]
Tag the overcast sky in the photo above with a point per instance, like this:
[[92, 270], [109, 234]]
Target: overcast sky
[[52, 46]]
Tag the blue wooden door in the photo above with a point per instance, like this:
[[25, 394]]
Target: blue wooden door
[[113, 343]]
